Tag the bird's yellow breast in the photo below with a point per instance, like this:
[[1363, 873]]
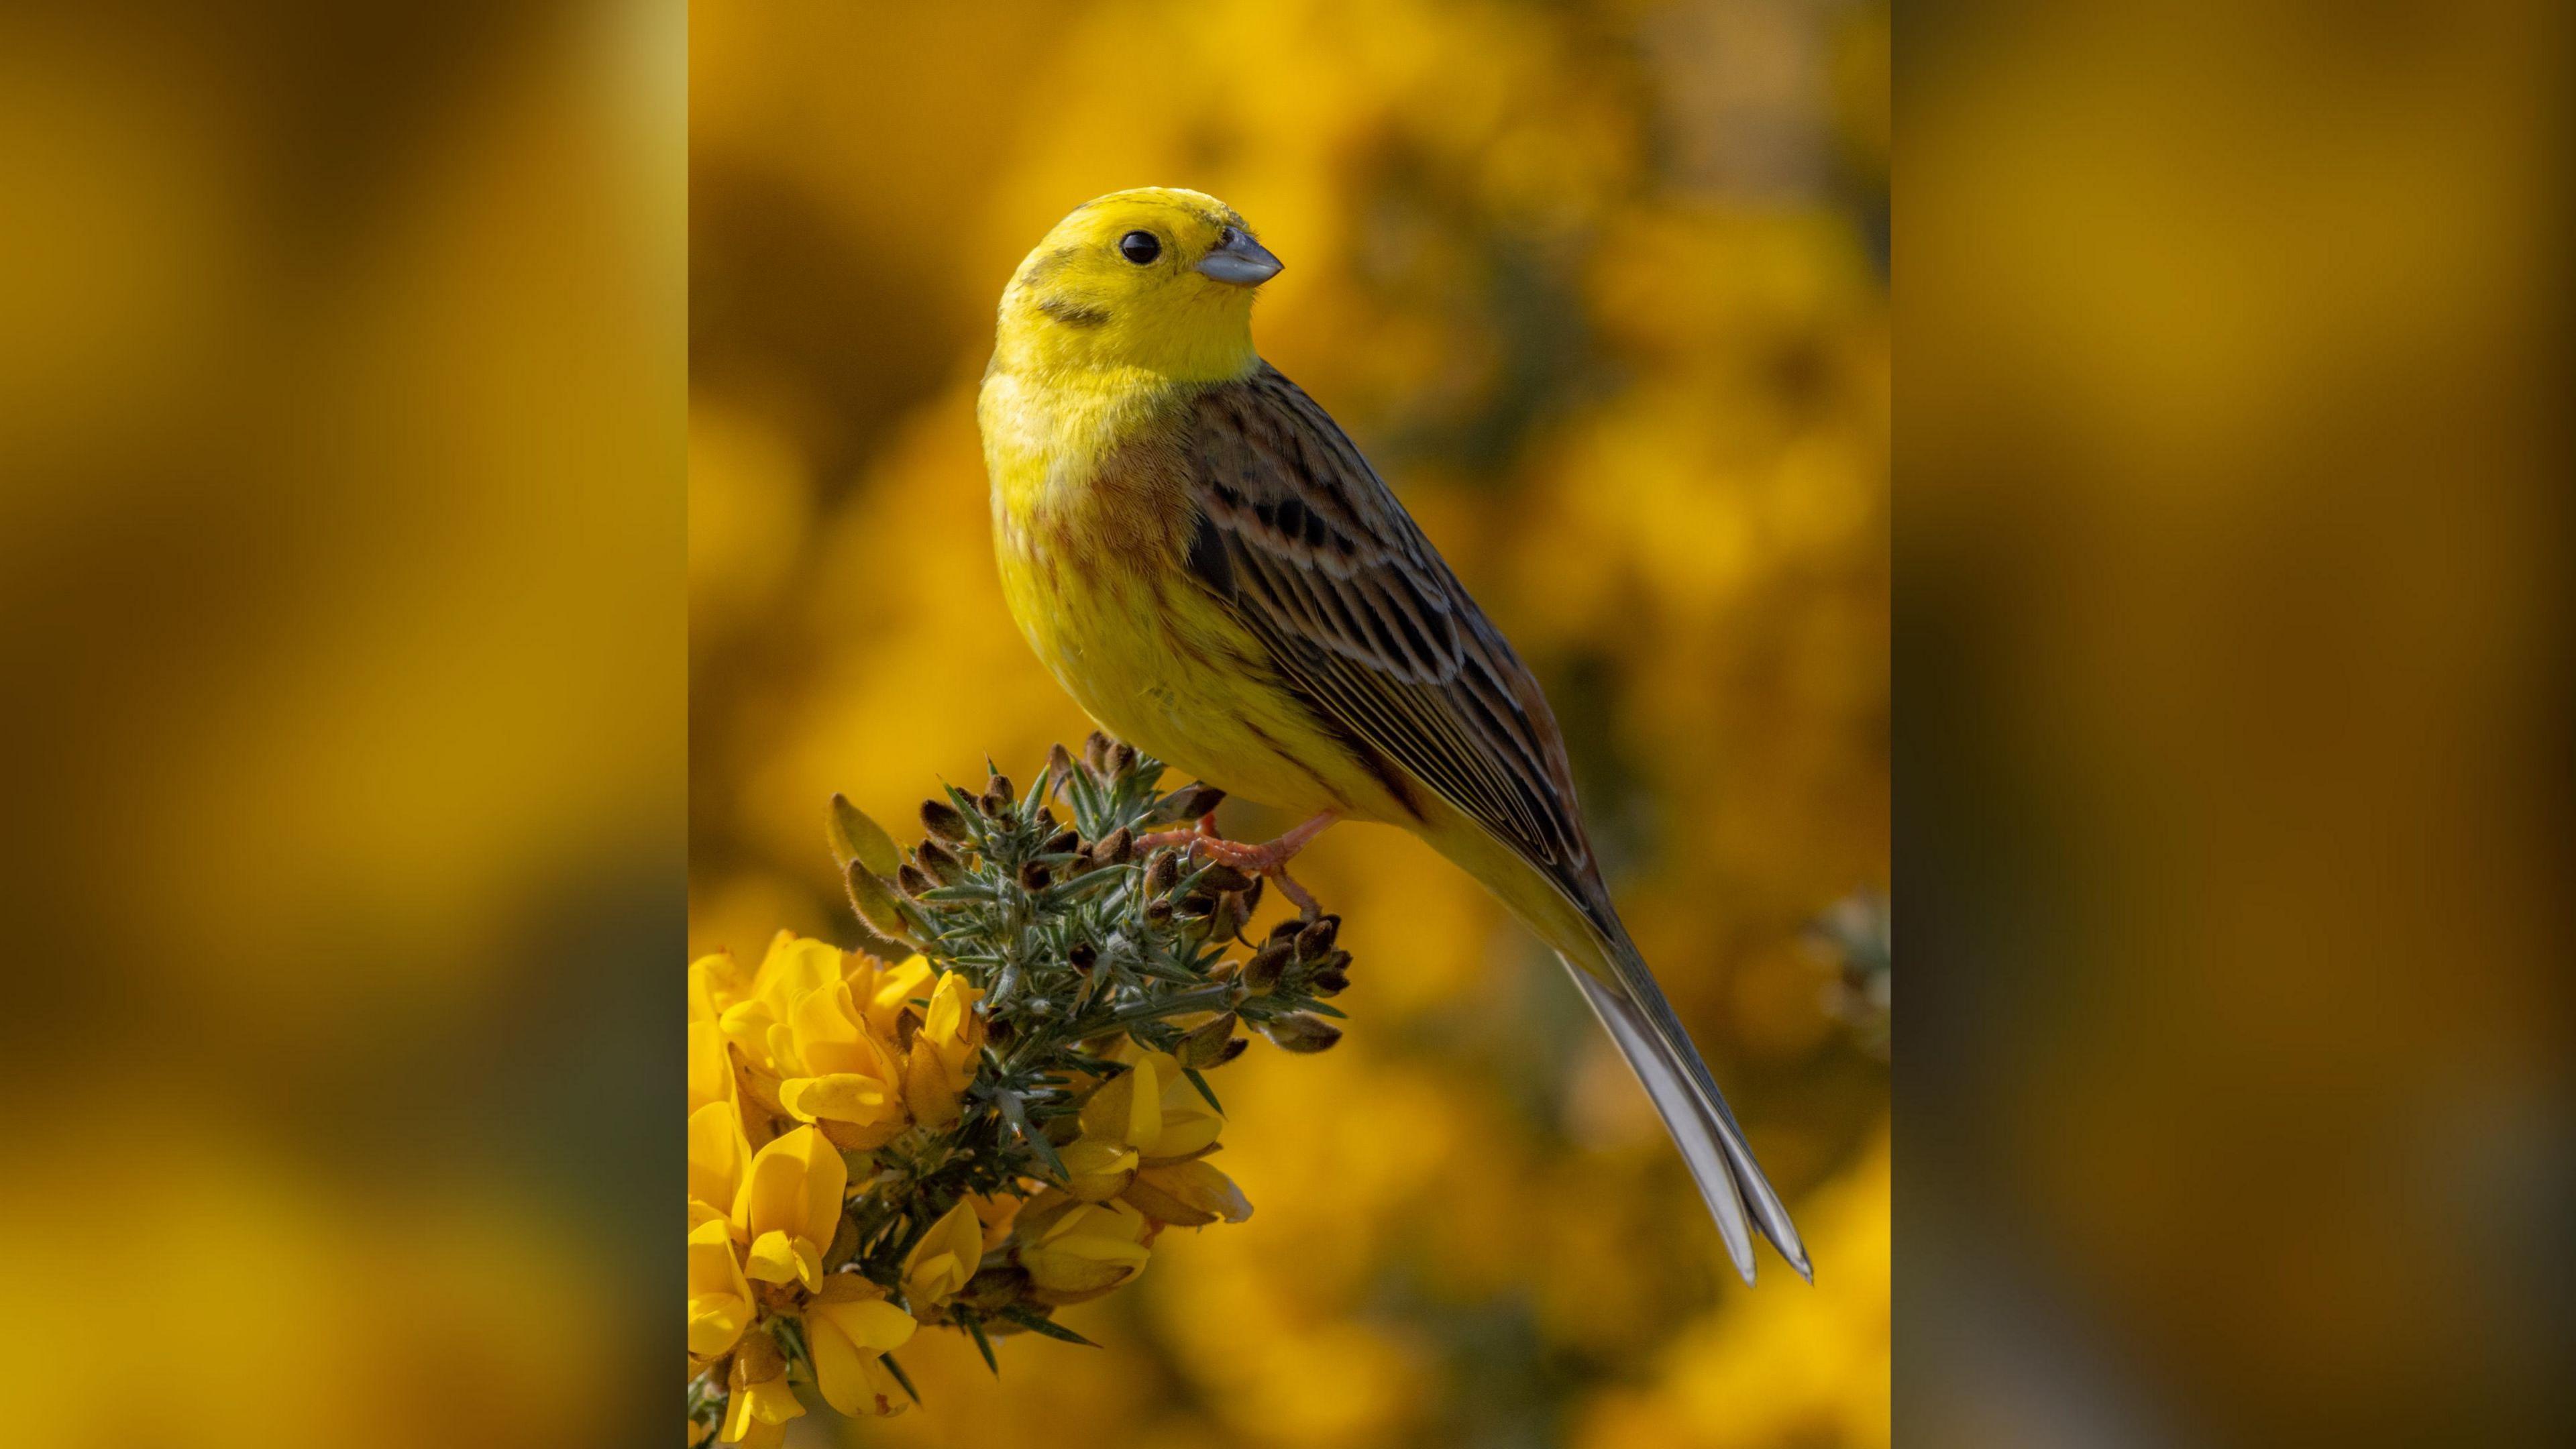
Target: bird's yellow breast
[[1090, 529]]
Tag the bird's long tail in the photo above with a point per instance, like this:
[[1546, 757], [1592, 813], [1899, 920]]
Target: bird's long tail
[[1641, 1021]]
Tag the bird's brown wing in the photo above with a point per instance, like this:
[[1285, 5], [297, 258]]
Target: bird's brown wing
[[1363, 618]]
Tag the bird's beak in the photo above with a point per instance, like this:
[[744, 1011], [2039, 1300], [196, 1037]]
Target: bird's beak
[[1239, 260]]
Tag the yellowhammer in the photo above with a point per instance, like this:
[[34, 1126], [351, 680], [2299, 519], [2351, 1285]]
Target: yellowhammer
[[1213, 571]]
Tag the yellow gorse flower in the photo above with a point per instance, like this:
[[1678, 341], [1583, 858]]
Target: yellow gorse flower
[[1187, 1194], [720, 1306], [841, 1153], [1074, 1251], [849, 1327], [761, 1404], [944, 1052], [838, 1072], [790, 1207], [719, 1160], [1149, 1119], [944, 1259], [754, 1014]]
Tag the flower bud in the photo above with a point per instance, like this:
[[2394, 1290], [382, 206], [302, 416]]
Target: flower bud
[[1233, 1049], [1035, 877], [1158, 911], [1122, 758], [1187, 1194], [1232, 911], [856, 837], [1059, 762], [1316, 937], [913, 880], [935, 858], [1189, 802], [1116, 848], [1095, 751], [1303, 1033], [1205, 1045], [1330, 981], [1082, 956], [941, 819], [1261, 974], [1223, 877], [874, 903], [1063, 842], [1162, 873], [997, 796]]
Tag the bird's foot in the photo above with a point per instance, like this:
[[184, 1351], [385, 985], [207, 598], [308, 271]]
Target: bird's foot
[[1270, 859]]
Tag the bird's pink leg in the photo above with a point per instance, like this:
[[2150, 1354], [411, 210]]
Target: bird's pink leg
[[1270, 860]]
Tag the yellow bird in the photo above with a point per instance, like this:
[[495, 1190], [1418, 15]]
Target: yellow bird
[[1217, 576]]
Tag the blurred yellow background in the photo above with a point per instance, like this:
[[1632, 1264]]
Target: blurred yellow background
[[342, 386], [1601, 288], [2233, 567]]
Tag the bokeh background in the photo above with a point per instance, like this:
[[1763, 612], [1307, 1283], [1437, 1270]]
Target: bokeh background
[[1602, 288], [342, 450], [2233, 561]]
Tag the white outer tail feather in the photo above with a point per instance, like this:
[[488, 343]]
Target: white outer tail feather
[[1738, 1195]]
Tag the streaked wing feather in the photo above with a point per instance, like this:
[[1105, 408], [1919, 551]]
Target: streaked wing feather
[[1363, 617]]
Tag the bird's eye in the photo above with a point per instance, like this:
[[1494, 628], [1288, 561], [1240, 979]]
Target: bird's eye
[[1140, 247]]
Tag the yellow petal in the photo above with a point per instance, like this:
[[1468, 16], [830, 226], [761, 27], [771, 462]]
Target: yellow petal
[[774, 1259], [795, 1187], [930, 1090], [717, 1155], [1187, 1194], [842, 1097], [716, 1321], [710, 1065], [947, 1255], [747, 1024], [896, 986], [715, 982], [1097, 1168], [796, 965]]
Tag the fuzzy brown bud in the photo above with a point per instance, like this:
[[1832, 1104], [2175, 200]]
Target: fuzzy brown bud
[[1302, 1033], [1082, 956], [1035, 877], [1285, 929], [997, 796], [1063, 842], [1059, 762], [1186, 803], [1204, 1045], [941, 819], [1122, 758], [1158, 911], [1095, 751], [1317, 937], [913, 879], [1233, 1049], [1261, 974], [1162, 873], [1223, 877], [1116, 848], [1331, 981], [935, 858]]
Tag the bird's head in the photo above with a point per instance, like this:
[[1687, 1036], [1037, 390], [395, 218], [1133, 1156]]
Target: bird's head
[[1157, 278]]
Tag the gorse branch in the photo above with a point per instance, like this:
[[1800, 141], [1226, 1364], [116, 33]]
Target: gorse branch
[[992, 1109]]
